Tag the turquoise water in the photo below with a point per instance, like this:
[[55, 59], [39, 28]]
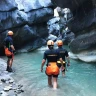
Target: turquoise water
[[80, 79]]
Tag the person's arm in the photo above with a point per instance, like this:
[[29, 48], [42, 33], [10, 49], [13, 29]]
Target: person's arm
[[67, 58], [61, 60], [60, 57], [12, 47], [68, 61], [43, 62]]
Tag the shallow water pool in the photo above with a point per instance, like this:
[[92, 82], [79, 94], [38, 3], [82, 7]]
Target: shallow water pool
[[80, 79]]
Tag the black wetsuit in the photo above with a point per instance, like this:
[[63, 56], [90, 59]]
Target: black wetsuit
[[63, 53], [8, 42], [51, 56]]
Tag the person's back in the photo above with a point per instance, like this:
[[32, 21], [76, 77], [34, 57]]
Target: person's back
[[52, 70], [51, 55], [64, 54], [8, 42]]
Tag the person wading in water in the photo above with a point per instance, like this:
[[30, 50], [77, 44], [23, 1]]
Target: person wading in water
[[9, 50], [52, 70], [65, 56]]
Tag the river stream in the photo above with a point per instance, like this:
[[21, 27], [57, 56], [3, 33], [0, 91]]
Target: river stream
[[80, 79]]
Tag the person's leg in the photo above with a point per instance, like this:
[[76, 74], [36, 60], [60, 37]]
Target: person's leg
[[63, 73], [11, 60], [54, 82], [50, 81], [9, 64], [59, 65], [63, 70]]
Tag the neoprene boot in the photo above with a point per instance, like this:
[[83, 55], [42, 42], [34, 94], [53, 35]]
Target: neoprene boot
[[7, 68], [10, 69]]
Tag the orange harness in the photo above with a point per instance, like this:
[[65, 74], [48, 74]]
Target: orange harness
[[52, 69]]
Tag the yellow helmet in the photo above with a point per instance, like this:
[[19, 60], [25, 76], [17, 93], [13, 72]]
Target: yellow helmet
[[50, 42], [10, 33], [59, 43]]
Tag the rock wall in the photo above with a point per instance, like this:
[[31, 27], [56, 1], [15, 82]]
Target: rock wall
[[83, 25], [26, 18]]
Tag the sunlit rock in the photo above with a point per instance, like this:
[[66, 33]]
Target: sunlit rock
[[52, 37], [16, 14], [13, 19], [53, 24], [73, 56], [7, 88], [7, 5], [86, 56], [40, 15], [28, 5]]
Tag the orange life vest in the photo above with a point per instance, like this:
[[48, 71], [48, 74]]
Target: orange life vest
[[52, 69]]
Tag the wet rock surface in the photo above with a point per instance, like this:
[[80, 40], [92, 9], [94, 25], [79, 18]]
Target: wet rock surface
[[8, 87]]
